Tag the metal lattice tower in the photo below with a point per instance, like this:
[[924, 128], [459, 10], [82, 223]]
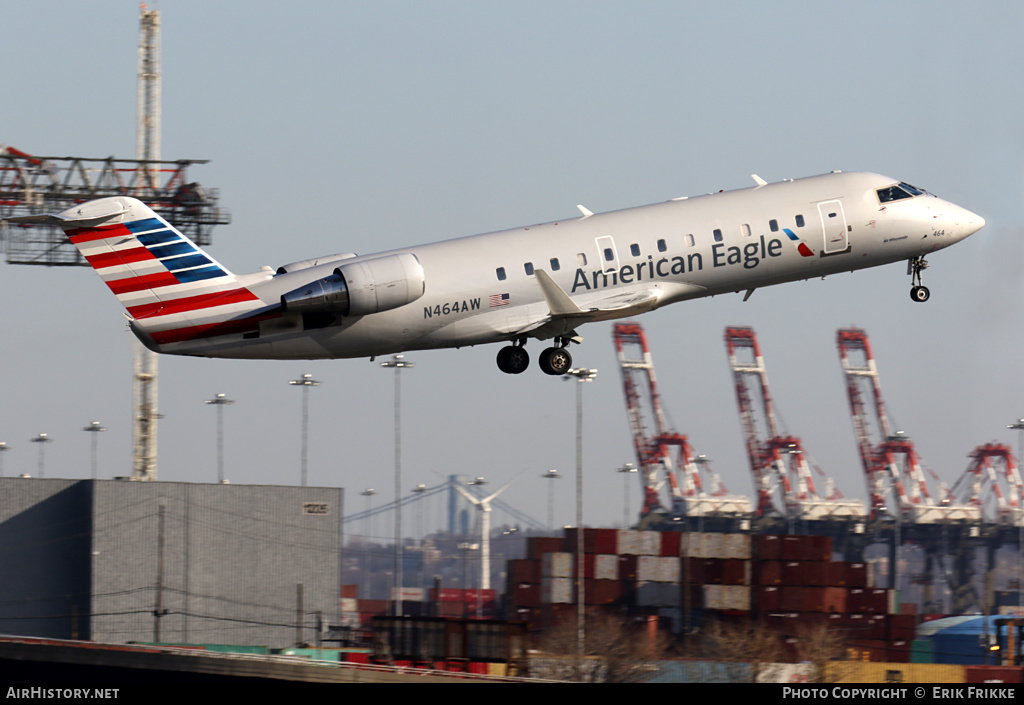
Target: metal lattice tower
[[780, 466], [32, 185]]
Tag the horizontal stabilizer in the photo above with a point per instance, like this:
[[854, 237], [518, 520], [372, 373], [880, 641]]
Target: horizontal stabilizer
[[83, 216]]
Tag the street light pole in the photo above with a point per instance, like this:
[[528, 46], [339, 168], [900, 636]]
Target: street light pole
[[220, 401], [626, 471], [94, 428], [3, 447], [1019, 426], [367, 563], [42, 439], [306, 381], [581, 375], [551, 475], [397, 363]]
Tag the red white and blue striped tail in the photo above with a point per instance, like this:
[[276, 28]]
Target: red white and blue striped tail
[[172, 290]]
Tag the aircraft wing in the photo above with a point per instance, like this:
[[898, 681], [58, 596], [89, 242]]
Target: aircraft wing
[[564, 314]]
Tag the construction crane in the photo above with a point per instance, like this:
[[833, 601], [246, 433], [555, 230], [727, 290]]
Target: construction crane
[[693, 490], [780, 466], [32, 184], [891, 465]]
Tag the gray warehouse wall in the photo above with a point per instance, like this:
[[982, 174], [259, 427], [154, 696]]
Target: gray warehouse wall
[[45, 540], [233, 558]]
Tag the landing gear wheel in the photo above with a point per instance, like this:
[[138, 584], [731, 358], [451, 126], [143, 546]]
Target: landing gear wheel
[[513, 359], [918, 291], [555, 361]]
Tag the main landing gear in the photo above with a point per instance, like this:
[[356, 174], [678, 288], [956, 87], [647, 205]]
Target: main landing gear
[[918, 292], [513, 359]]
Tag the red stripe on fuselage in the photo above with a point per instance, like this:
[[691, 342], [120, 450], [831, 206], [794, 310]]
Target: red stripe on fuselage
[[192, 303], [210, 330]]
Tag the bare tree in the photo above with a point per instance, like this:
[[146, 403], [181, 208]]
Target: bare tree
[[616, 650], [749, 651], [825, 650]]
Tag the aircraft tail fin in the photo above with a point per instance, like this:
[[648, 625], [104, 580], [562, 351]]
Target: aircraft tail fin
[[171, 289]]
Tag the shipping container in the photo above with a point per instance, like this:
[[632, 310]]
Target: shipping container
[[537, 546], [557, 591], [594, 541], [766, 547], [557, 565], [727, 597], [654, 594], [995, 674], [886, 672], [766, 572]]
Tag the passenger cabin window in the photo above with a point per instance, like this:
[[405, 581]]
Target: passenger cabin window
[[746, 230], [718, 235], [773, 225], [799, 221], [529, 268], [581, 259], [689, 239], [898, 192], [662, 246], [500, 271], [554, 264], [634, 250]]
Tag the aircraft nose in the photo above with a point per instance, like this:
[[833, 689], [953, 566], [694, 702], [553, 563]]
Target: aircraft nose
[[960, 222], [971, 223]]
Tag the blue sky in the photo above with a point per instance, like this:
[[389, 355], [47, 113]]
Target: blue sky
[[362, 126]]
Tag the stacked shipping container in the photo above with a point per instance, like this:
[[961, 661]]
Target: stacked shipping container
[[784, 581]]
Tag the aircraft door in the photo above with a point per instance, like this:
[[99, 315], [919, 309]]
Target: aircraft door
[[606, 254], [834, 229]]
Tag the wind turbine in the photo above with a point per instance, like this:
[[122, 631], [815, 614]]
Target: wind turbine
[[484, 505]]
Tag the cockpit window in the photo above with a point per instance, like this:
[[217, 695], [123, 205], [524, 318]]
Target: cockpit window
[[898, 192]]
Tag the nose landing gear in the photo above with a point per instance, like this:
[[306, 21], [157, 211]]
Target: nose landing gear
[[918, 292]]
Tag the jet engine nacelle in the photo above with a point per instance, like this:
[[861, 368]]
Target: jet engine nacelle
[[307, 263], [361, 288]]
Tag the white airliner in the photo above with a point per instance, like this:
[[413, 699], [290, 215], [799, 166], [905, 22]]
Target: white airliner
[[542, 281]]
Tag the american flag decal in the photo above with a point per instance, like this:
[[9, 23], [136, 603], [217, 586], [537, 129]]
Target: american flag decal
[[499, 300]]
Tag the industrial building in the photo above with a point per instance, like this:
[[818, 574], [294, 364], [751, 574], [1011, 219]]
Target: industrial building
[[119, 561]]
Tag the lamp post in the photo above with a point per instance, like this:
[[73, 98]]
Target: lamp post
[[3, 447], [398, 363], [42, 439], [626, 471], [93, 429], [551, 475], [306, 381], [367, 564], [1019, 426], [220, 401], [582, 375]]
